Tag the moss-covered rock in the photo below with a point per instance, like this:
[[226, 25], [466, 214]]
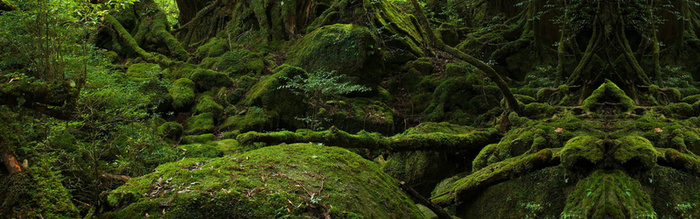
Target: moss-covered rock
[[608, 194], [171, 130], [267, 95], [214, 48], [203, 138], [211, 149], [35, 193], [298, 181], [348, 49], [251, 119], [241, 62], [207, 104], [422, 170], [608, 93], [201, 123], [182, 92], [636, 153], [582, 152], [208, 79]]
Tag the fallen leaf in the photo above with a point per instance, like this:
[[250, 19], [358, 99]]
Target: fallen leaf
[[559, 130], [658, 130]]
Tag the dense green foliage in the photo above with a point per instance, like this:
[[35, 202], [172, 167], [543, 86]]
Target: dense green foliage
[[318, 108]]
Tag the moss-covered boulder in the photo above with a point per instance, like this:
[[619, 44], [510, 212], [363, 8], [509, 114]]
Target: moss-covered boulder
[[143, 71], [267, 94], [171, 130], [207, 104], [422, 170], [211, 149], [201, 123], [214, 48], [36, 192], [251, 119], [208, 79], [203, 138], [298, 181], [182, 92], [345, 48], [608, 99], [241, 62]]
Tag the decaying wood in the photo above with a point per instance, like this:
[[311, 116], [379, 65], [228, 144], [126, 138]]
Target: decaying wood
[[11, 164]]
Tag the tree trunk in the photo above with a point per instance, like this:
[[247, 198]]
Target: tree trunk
[[189, 8]]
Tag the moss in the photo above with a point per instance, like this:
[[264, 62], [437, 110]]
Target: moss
[[211, 149], [540, 194], [214, 48], [299, 181], [680, 109], [456, 69], [345, 48], [182, 92], [241, 62], [201, 123], [267, 95], [251, 119], [171, 130], [636, 152], [607, 93], [208, 79], [207, 104], [538, 110], [355, 114], [582, 152], [143, 71], [422, 170], [423, 65], [203, 138], [36, 192], [457, 190], [608, 193]]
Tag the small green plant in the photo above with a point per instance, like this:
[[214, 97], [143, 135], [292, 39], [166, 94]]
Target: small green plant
[[318, 87]]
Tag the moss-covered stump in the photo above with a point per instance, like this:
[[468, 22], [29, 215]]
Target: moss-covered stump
[[345, 48], [298, 181]]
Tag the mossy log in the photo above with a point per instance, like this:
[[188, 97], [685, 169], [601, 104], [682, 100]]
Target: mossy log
[[472, 141], [496, 173], [56, 99]]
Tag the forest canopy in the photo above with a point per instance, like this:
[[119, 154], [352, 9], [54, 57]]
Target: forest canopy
[[349, 109]]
